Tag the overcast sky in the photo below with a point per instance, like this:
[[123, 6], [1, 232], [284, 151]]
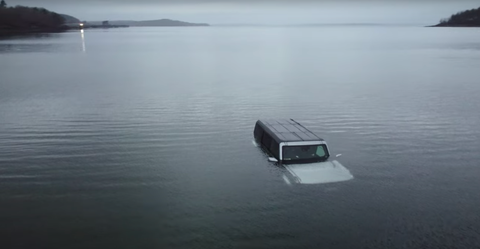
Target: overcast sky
[[260, 11]]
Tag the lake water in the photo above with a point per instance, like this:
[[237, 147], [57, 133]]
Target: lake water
[[142, 137]]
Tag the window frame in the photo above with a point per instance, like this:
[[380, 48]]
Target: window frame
[[303, 143]]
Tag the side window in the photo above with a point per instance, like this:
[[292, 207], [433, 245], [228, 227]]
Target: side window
[[266, 141], [258, 133], [274, 148], [320, 151]]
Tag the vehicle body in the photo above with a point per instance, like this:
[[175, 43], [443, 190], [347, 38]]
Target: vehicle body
[[304, 154]]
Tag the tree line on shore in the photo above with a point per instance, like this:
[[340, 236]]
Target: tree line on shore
[[28, 18], [467, 18]]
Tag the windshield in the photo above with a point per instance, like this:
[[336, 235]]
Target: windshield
[[305, 153]]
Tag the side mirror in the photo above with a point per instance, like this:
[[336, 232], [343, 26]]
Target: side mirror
[[338, 155], [272, 159]]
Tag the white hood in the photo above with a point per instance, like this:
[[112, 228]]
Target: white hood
[[323, 172]]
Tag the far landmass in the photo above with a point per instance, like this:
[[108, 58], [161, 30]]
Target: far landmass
[[153, 23], [22, 20], [467, 18]]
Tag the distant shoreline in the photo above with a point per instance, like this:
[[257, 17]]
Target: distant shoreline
[[453, 26], [150, 23], [13, 32], [77, 27]]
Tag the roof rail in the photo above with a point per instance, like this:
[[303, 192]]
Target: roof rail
[[302, 126], [298, 123]]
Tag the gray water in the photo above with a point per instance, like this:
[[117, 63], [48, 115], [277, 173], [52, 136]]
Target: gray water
[[142, 137]]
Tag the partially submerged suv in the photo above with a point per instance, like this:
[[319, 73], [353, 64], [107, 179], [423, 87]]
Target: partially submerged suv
[[304, 154]]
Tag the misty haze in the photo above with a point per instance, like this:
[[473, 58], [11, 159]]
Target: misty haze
[[133, 124]]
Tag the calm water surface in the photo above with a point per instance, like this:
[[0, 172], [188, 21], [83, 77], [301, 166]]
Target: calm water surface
[[142, 138]]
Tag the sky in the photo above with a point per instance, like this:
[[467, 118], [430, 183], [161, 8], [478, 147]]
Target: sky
[[267, 12]]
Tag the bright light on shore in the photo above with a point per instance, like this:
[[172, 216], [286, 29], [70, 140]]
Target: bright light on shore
[[81, 24]]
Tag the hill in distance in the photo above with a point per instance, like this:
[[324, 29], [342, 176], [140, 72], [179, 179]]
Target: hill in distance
[[70, 19], [152, 23], [467, 18], [21, 19]]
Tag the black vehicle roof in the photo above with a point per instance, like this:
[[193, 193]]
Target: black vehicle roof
[[288, 130]]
